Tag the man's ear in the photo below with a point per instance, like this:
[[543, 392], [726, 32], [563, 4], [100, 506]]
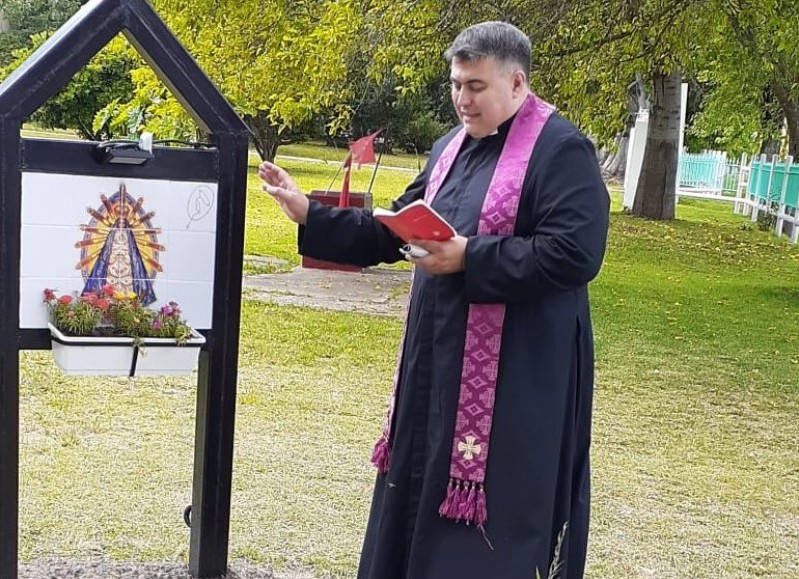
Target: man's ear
[[519, 82]]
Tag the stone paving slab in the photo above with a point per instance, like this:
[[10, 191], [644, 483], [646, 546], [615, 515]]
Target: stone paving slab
[[373, 291]]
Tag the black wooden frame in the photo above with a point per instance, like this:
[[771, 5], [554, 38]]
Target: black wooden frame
[[50, 68]]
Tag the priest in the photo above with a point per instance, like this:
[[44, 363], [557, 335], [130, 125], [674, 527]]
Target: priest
[[483, 463]]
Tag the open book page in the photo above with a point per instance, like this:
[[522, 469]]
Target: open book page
[[416, 220]]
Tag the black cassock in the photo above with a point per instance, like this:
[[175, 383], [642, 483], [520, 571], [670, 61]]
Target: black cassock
[[537, 476]]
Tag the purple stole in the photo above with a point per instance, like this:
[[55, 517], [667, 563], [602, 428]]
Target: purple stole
[[465, 498]]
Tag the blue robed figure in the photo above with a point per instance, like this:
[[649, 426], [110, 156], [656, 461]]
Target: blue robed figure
[[120, 262]]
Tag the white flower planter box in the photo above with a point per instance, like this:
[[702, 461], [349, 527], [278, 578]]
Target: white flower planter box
[[94, 356]]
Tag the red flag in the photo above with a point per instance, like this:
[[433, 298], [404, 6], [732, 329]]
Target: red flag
[[363, 150]]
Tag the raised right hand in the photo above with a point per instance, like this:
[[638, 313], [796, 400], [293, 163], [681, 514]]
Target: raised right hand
[[285, 191]]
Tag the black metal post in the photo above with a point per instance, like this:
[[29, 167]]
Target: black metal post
[[22, 93], [216, 384], [9, 345]]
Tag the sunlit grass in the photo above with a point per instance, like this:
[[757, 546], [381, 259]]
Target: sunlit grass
[[336, 154], [270, 233]]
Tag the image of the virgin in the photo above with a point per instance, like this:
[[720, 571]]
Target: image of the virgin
[[120, 262]]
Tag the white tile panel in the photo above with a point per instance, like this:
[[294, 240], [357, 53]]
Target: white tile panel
[[54, 208]]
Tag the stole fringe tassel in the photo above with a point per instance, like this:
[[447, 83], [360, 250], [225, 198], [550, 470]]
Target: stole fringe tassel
[[465, 501], [381, 455]]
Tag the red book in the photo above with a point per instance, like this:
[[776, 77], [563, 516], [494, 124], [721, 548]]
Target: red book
[[416, 220]]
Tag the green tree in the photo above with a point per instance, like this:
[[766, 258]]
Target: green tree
[[279, 64], [601, 47], [766, 60], [106, 78], [26, 18], [409, 119], [744, 53]]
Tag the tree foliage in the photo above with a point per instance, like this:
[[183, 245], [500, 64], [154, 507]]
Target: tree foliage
[[278, 64], [370, 64], [29, 17], [758, 57], [104, 79]]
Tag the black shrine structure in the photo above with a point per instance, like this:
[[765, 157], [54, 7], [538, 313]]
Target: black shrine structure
[[224, 161]]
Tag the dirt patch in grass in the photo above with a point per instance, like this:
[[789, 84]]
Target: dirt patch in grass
[[69, 569]]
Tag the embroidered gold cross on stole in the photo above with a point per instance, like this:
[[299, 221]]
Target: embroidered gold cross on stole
[[469, 448]]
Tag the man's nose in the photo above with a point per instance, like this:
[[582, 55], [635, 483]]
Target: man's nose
[[463, 98]]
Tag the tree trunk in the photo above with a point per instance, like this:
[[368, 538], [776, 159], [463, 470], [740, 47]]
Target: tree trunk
[[790, 108], [616, 164], [654, 195], [265, 136], [769, 147], [792, 119]]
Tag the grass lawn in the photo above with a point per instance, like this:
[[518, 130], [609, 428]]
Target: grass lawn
[[270, 233], [310, 150], [36, 132], [316, 150], [696, 470]]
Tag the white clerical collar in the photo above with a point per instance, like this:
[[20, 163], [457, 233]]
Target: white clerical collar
[[492, 134]]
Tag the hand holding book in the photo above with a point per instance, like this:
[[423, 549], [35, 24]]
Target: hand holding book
[[416, 220]]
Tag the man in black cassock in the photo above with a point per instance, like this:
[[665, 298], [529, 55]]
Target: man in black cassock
[[537, 473]]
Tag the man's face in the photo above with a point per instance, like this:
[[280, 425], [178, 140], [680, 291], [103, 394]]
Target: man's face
[[485, 93]]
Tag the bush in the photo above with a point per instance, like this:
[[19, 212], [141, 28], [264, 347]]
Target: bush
[[423, 130]]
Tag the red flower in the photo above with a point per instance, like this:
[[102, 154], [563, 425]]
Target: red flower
[[89, 298], [108, 290], [102, 304], [49, 295], [65, 300]]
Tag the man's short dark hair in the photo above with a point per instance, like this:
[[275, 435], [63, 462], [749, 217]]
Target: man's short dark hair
[[501, 40]]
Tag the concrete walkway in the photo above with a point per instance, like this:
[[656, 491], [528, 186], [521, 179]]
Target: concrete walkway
[[374, 291]]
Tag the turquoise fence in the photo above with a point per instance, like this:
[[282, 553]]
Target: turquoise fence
[[773, 190], [710, 174], [774, 183], [762, 187], [702, 171]]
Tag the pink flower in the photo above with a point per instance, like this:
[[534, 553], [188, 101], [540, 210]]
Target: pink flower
[[65, 300], [89, 298], [156, 323]]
